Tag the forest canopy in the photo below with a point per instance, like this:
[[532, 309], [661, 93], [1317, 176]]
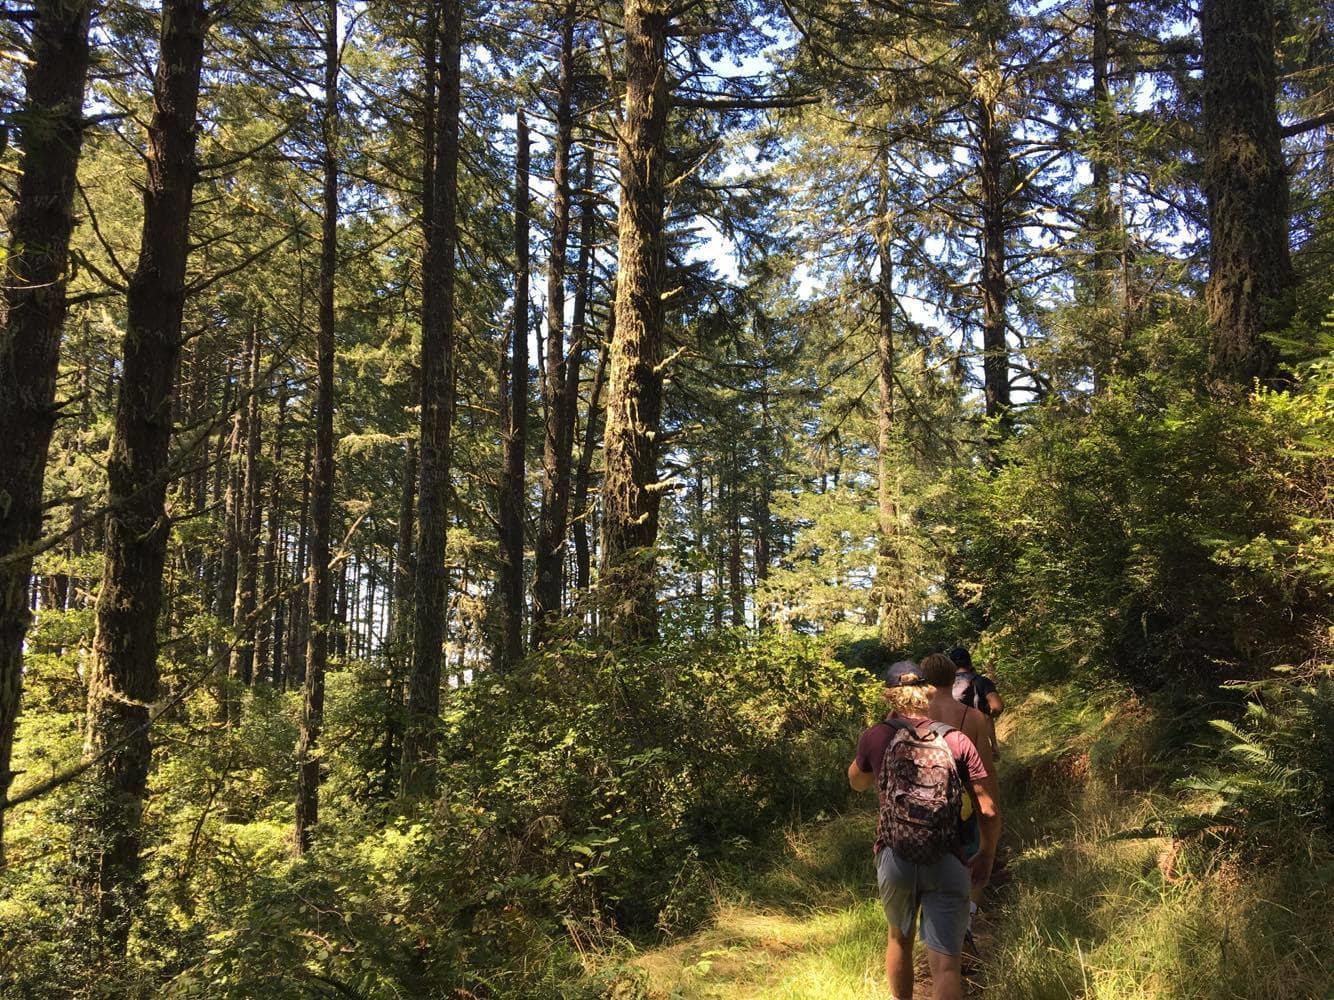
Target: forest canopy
[[462, 465]]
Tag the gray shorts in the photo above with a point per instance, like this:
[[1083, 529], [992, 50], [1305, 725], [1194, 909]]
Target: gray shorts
[[940, 890]]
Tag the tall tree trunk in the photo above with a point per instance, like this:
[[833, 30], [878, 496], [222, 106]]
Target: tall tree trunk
[[763, 526], [698, 518], [995, 290], [719, 567], [549, 553], [372, 584], [400, 621], [338, 621], [1105, 217], [123, 679], [322, 478], [51, 136], [437, 384], [224, 598], [298, 623], [1251, 280], [889, 567], [509, 585], [583, 557], [631, 491], [242, 660], [268, 642], [735, 589]]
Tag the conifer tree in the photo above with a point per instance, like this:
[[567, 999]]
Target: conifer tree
[[440, 211], [1250, 291], [123, 682], [36, 271]]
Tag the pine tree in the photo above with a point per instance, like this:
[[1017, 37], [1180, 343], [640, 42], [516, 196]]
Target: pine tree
[[124, 677]]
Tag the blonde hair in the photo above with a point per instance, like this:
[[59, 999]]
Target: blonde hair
[[908, 699]]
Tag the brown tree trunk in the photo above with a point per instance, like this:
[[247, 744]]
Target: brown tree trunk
[[322, 477], [583, 557], [35, 272], [889, 567], [735, 589], [268, 642], [437, 384], [242, 660], [224, 607], [400, 621], [549, 552], [1102, 261], [338, 624], [763, 526], [698, 518], [995, 290], [297, 624], [1251, 280], [509, 584], [372, 584], [123, 680], [719, 567], [630, 490]]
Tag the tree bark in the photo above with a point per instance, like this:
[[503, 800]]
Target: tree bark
[[437, 383], [549, 552], [400, 621], [509, 585], [583, 557], [995, 290], [268, 642], [579, 344], [224, 606], [322, 476], [631, 491], [735, 589], [123, 679], [297, 614], [1251, 281], [51, 135], [242, 660], [889, 566], [1102, 261]]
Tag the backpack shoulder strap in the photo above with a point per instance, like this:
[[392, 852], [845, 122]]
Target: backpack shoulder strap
[[941, 728], [894, 722]]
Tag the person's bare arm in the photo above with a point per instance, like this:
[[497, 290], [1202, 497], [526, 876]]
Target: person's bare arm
[[995, 703], [986, 793], [861, 781], [977, 729]]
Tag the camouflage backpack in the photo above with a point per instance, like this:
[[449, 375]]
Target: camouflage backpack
[[921, 793]]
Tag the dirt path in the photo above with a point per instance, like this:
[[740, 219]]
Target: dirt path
[[809, 928]]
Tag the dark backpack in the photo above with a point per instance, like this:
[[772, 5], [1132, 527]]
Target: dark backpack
[[921, 793], [965, 689]]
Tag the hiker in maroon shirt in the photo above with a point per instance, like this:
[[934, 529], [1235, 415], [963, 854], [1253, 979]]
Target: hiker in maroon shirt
[[940, 889]]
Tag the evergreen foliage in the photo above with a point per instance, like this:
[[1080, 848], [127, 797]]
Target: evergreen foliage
[[849, 332]]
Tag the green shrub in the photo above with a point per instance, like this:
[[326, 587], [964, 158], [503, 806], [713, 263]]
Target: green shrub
[[591, 793], [1151, 534]]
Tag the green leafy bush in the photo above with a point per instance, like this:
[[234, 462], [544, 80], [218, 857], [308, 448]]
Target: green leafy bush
[[1275, 773], [1152, 533], [592, 793]]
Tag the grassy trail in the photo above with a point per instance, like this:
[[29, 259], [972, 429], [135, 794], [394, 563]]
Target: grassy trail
[[1093, 904], [809, 928]]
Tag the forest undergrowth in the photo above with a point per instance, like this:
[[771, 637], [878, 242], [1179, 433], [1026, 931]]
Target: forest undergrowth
[[1103, 896]]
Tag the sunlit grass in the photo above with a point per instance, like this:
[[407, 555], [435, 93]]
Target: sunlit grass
[[1086, 910]]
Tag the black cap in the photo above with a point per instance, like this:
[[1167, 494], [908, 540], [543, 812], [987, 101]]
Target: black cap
[[903, 674], [961, 658]]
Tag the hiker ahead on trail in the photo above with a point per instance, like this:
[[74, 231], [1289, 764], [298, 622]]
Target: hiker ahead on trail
[[928, 774], [977, 691]]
